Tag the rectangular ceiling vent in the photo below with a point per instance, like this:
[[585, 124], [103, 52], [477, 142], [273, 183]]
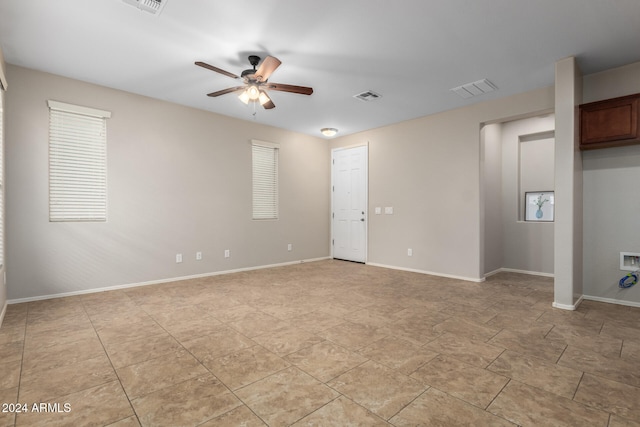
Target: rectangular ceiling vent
[[474, 89], [367, 96], [151, 6]]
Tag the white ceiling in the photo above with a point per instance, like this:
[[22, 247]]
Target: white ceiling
[[412, 52]]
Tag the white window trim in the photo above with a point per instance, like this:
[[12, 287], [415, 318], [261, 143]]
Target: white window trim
[[78, 109]]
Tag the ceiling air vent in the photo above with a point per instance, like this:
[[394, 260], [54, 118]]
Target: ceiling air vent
[[474, 89], [368, 96], [151, 6]]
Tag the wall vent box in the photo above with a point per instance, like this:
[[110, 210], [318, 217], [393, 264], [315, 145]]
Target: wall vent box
[[629, 261]]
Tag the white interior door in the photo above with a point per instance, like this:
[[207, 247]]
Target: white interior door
[[349, 203]]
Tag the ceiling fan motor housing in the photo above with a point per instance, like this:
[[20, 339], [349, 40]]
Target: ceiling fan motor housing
[[253, 60]]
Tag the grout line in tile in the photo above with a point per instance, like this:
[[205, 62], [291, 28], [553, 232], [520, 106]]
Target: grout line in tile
[[317, 409], [24, 340], [562, 353], [577, 387], [498, 393], [549, 331], [114, 370], [410, 402]]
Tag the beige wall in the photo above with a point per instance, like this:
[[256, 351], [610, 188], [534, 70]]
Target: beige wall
[[428, 170], [179, 182], [611, 202]]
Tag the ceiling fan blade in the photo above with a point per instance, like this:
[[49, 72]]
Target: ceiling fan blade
[[216, 69], [228, 90], [302, 90], [268, 66]]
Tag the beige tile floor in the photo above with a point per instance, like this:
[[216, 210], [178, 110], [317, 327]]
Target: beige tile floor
[[326, 343]]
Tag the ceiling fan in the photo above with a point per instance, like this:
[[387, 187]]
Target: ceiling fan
[[256, 82]]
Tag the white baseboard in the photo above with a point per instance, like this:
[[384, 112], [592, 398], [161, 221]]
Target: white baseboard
[[159, 281], [571, 307], [491, 273], [612, 301], [3, 312], [238, 270], [431, 273], [513, 270]]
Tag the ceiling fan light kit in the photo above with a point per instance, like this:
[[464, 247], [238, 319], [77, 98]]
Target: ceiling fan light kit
[[244, 97], [256, 82], [263, 98]]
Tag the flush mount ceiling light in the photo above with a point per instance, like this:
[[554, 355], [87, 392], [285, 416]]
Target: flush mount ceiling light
[[329, 131]]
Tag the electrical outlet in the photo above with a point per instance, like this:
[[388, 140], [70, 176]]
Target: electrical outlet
[[409, 252], [178, 258], [227, 253], [388, 210], [198, 256], [289, 247]]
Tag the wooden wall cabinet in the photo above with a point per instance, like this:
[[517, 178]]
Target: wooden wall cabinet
[[610, 123]]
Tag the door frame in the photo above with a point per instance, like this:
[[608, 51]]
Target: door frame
[[366, 198]]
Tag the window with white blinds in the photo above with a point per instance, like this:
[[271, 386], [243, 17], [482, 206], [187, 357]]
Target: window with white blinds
[[77, 163], [1, 176], [265, 179]]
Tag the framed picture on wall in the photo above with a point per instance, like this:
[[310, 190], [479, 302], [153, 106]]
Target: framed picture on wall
[[539, 206]]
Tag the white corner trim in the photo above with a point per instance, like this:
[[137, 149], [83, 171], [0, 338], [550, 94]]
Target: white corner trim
[[612, 301], [571, 307], [159, 281], [3, 312], [431, 273]]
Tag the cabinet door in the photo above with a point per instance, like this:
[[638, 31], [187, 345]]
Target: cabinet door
[[609, 123]]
